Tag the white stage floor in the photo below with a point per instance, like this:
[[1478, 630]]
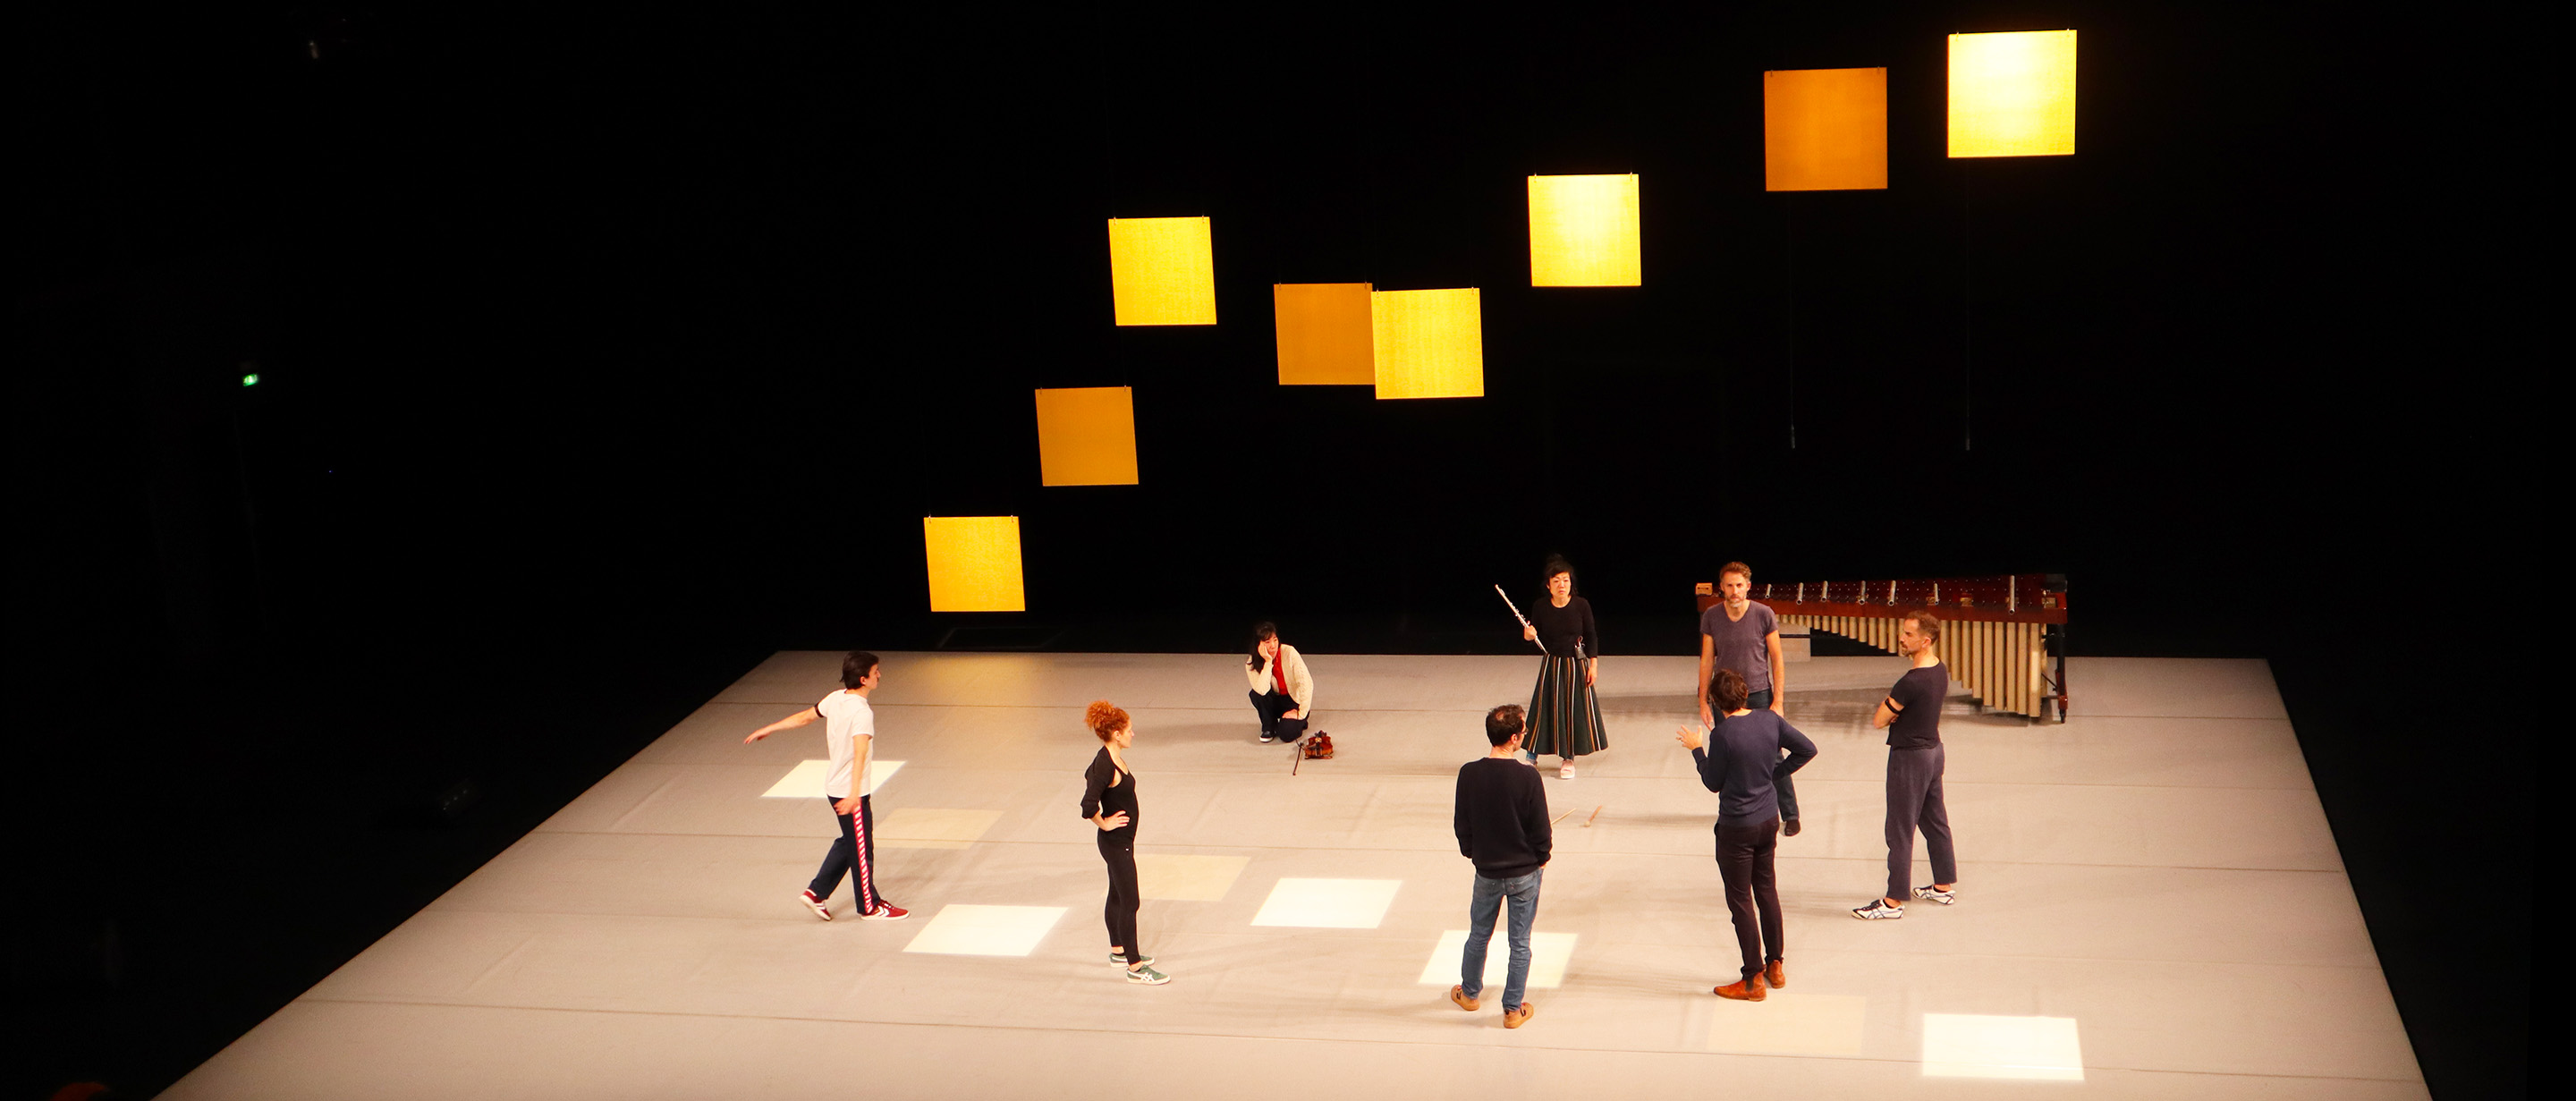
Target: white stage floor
[[2151, 905]]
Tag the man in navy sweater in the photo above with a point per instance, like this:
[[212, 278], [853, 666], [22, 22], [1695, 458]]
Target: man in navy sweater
[[1502, 826], [1742, 756]]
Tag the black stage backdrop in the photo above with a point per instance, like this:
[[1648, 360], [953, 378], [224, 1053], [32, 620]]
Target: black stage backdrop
[[600, 356]]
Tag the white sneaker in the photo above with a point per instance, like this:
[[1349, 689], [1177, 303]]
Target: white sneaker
[[1878, 910], [1936, 894]]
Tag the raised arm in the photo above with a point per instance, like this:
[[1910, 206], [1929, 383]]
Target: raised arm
[[1712, 769], [798, 719]]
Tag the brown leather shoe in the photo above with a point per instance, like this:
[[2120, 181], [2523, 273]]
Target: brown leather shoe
[[1743, 990], [1774, 975], [1458, 994], [1516, 1020]]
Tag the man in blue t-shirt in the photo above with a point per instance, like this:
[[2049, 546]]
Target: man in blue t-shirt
[[1911, 715]]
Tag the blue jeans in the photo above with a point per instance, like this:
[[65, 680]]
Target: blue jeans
[[1490, 893]]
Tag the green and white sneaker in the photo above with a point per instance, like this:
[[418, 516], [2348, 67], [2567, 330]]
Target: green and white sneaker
[[1119, 959], [1147, 976]]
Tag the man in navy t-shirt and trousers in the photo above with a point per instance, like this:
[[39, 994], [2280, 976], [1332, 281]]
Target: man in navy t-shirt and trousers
[[1742, 756], [1911, 715]]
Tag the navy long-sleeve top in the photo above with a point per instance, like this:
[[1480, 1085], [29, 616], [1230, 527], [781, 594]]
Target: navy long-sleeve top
[[1743, 758]]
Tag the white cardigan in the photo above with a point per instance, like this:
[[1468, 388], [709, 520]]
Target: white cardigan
[[1301, 687]]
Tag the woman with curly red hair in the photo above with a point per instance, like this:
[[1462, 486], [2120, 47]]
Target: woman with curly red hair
[[1109, 801]]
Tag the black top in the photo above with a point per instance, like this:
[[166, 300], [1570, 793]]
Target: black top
[[1502, 818], [1560, 628], [1742, 760], [1917, 698], [1100, 798]]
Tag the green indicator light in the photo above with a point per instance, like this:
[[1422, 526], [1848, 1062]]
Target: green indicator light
[[250, 380]]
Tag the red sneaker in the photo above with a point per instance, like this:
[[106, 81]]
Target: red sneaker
[[886, 911], [822, 909]]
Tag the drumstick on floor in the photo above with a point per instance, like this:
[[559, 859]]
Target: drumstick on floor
[[1587, 823]]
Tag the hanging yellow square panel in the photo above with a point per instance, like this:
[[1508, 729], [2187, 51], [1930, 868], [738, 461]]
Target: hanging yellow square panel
[[2012, 94], [1323, 334], [974, 563], [1583, 231], [1824, 130], [1428, 344], [1162, 271], [1087, 437]]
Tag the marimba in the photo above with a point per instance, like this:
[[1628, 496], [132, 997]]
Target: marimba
[[2004, 638]]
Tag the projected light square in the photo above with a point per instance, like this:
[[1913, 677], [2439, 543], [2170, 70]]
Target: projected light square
[[1957, 1045], [974, 563], [1162, 271], [805, 781], [1428, 344], [1185, 877], [963, 930], [2012, 94], [1323, 332], [1549, 953], [1328, 903], [1087, 437], [1824, 129], [1789, 1023], [1583, 231]]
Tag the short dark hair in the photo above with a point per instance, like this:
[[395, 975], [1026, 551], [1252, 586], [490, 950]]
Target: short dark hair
[[855, 667], [1726, 690], [1735, 567], [1503, 722], [1925, 624], [1556, 564]]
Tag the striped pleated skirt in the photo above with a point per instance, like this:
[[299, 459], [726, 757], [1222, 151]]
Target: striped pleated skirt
[[1564, 718]]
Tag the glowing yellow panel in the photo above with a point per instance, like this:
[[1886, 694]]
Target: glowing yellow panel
[[1428, 344], [2013, 94], [1583, 231], [1824, 130], [974, 563], [1162, 271], [1087, 437], [1323, 334]]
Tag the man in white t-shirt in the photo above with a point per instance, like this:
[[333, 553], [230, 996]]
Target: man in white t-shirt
[[849, 731]]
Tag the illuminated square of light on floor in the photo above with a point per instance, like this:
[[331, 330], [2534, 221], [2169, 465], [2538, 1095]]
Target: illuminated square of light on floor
[[933, 827], [1187, 878], [805, 781], [1328, 903], [1959, 1045], [963, 930], [1788, 1023], [1548, 955]]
